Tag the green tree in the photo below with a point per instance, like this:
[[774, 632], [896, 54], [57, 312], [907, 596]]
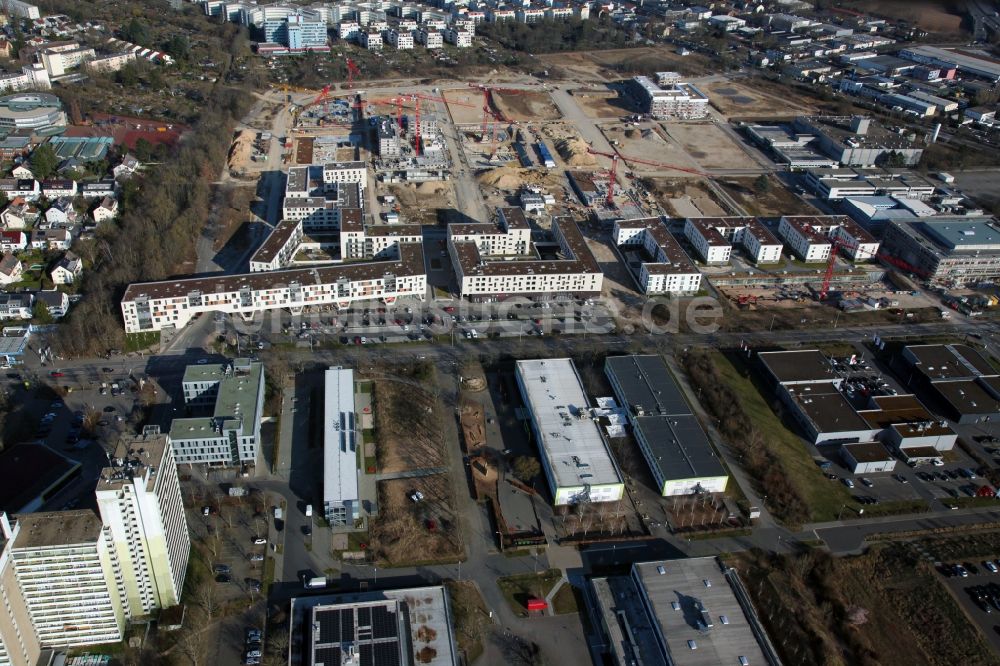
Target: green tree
[[526, 468], [44, 161], [762, 185], [178, 47], [135, 32], [41, 313]]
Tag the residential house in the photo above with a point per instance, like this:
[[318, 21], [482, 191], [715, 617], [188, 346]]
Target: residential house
[[15, 306], [20, 187], [67, 269], [11, 269], [56, 302], [53, 189], [21, 171], [128, 166], [19, 214], [16, 144], [51, 239], [61, 213], [99, 190], [106, 210], [13, 241]]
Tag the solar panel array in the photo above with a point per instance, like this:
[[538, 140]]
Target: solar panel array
[[372, 629]]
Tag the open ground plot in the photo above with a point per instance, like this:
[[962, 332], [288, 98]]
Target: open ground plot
[[775, 200], [407, 427], [648, 144], [602, 103], [931, 15], [710, 146], [885, 607], [526, 106], [471, 617], [737, 99], [617, 63], [407, 530], [465, 105], [419, 202], [685, 197]]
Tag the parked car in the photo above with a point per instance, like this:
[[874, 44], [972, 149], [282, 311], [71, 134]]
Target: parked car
[[223, 578], [259, 541], [222, 569], [848, 483]]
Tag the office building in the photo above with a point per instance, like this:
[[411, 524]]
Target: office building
[[341, 499], [714, 237], [576, 459], [404, 626], [676, 449], [234, 393], [951, 250], [684, 612], [139, 499], [664, 267], [674, 100]]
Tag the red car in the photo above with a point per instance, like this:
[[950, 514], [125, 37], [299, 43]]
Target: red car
[[56, 373]]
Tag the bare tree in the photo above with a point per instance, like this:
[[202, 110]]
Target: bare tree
[[192, 646], [207, 602]]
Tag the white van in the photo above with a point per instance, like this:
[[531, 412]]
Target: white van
[[309, 510]]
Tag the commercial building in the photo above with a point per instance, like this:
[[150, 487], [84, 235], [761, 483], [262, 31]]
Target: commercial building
[[957, 377], [858, 141], [684, 612], [841, 183], [665, 267], [298, 32], [570, 271], [714, 237], [41, 113], [674, 100], [908, 427], [576, 459], [341, 497], [947, 249], [404, 626], [58, 583], [231, 435], [677, 450], [965, 61], [278, 249], [139, 499]]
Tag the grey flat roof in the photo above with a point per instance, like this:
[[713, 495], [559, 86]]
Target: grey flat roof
[[645, 382], [868, 452], [967, 397], [828, 409], [950, 361], [790, 367]]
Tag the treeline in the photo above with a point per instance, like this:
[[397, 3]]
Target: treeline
[[156, 233], [563, 35], [784, 500]]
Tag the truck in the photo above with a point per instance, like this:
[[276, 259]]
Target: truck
[[315, 583]]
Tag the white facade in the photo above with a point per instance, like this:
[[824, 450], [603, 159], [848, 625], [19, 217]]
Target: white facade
[[139, 499], [341, 498], [32, 77], [670, 270], [809, 245], [400, 39], [370, 40], [460, 38], [279, 248], [713, 238], [576, 459], [432, 39], [678, 100]]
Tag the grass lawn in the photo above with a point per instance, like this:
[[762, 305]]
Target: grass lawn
[[470, 616], [565, 600], [139, 341], [518, 589], [824, 497]]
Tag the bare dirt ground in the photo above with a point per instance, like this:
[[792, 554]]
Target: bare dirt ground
[[465, 105], [406, 530], [648, 144], [777, 200], [734, 99], [407, 428], [473, 424], [621, 63], [931, 15], [601, 103], [676, 196], [419, 202], [709, 145], [526, 106]]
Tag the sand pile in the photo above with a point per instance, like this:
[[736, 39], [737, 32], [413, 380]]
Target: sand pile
[[503, 178], [574, 152], [242, 148], [431, 188]]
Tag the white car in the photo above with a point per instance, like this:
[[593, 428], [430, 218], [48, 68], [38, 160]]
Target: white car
[[848, 483], [259, 541], [937, 462], [417, 496], [989, 565]]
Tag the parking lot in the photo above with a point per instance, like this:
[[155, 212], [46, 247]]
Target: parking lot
[[978, 594]]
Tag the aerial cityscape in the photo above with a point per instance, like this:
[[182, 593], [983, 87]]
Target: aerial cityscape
[[479, 332]]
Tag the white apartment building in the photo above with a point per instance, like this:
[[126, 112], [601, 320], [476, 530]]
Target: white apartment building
[[432, 39], [714, 237], [58, 578], [32, 77], [553, 13], [152, 306], [348, 30], [21, 9], [530, 15], [109, 63], [812, 237], [460, 38], [511, 235], [60, 58], [139, 499], [666, 268], [231, 435], [501, 15], [370, 40], [279, 247], [810, 245], [401, 39], [575, 273], [341, 496], [678, 100]]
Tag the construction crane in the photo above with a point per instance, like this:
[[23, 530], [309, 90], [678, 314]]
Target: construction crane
[[488, 105], [838, 244], [613, 173], [352, 71]]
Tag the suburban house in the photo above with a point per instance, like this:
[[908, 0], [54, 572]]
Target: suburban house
[[15, 306], [53, 189], [128, 166], [56, 302], [10, 269], [13, 241], [51, 239], [20, 187], [99, 190], [19, 214], [106, 210], [21, 171], [61, 213], [67, 269]]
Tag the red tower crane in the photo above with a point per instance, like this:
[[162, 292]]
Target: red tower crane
[[842, 243], [488, 105], [612, 175], [352, 71]]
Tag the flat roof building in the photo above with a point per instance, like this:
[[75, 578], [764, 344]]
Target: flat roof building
[[685, 612], [669, 98], [948, 250], [958, 377], [675, 446], [667, 269], [341, 498], [577, 460]]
